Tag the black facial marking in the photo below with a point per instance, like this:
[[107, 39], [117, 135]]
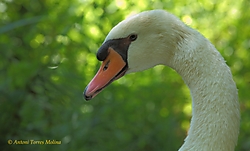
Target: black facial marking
[[120, 45], [102, 53]]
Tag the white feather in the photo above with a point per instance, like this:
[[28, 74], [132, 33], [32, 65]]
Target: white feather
[[164, 39]]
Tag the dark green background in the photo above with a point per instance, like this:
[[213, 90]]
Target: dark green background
[[47, 58]]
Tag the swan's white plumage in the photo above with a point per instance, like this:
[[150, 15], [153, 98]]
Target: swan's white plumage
[[164, 39]]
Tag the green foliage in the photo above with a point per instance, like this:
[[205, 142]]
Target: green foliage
[[48, 57]]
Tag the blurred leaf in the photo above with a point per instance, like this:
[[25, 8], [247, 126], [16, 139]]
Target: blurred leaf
[[48, 57]]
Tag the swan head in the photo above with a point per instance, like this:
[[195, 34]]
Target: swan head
[[135, 44]]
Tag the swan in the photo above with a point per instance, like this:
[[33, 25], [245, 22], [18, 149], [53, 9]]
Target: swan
[[157, 37]]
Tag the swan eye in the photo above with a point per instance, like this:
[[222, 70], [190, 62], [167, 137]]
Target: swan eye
[[133, 37]]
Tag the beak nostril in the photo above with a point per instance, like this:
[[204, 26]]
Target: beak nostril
[[106, 66]]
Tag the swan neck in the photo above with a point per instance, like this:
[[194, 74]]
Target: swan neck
[[215, 107]]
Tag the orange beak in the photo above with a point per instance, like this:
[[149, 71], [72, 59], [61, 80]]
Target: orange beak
[[112, 68]]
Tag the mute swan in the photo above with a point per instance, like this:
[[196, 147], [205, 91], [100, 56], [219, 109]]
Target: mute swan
[[158, 37]]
